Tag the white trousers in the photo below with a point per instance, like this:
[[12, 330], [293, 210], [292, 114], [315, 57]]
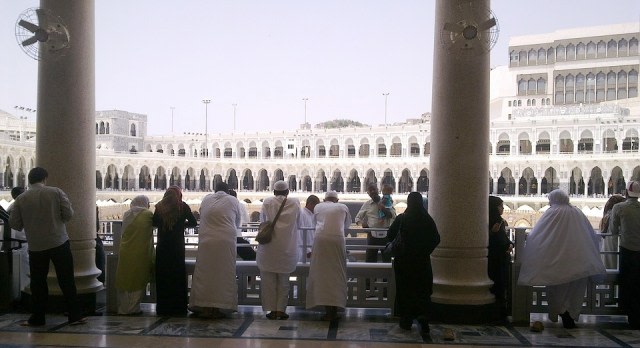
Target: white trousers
[[566, 297], [274, 290], [129, 301]]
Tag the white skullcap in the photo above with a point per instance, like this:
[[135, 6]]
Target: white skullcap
[[280, 186], [331, 194], [633, 189]]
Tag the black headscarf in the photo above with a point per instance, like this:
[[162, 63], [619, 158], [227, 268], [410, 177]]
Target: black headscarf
[[415, 207], [494, 213]]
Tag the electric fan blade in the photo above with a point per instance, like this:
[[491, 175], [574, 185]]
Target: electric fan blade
[[28, 25], [42, 16], [486, 25], [454, 28], [30, 41]]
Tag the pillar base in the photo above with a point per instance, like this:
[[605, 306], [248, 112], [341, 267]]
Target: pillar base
[[466, 314]]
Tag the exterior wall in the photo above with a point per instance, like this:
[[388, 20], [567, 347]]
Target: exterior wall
[[535, 144]]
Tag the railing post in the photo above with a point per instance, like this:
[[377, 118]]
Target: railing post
[[521, 295], [112, 294]]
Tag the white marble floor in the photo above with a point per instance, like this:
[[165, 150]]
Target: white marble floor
[[249, 328]]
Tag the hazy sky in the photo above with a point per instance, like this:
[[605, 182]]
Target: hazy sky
[[267, 55]]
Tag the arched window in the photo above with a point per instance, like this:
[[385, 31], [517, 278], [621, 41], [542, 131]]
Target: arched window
[[559, 94], [623, 48], [533, 57], [571, 52], [581, 51], [580, 84], [591, 49], [602, 49], [542, 86], [612, 49], [611, 85], [633, 47], [622, 85], [522, 58], [108, 131], [560, 53], [569, 86], [633, 84], [102, 128], [133, 130], [551, 55], [542, 56], [522, 87], [531, 86]]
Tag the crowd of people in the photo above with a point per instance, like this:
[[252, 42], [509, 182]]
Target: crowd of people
[[562, 252]]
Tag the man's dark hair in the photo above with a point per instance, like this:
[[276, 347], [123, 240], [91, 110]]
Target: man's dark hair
[[222, 186], [281, 192], [312, 199], [37, 175], [233, 193], [16, 191]]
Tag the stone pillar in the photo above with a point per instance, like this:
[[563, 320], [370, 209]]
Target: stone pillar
[[459, 127], [66, 105]]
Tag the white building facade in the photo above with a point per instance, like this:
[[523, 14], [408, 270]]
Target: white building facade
[[565, 114]]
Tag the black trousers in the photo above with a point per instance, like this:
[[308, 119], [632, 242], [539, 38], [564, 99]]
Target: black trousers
[[246, 253], [630, 284], [62, 260], [372, 254]]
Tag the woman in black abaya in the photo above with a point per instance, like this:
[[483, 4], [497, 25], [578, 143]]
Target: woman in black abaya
[[412, 266]]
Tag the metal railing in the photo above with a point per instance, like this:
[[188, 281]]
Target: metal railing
[[601, 298], [369, 285]]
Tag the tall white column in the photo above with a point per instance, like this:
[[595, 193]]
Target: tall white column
[[459, 129], [66, 105]]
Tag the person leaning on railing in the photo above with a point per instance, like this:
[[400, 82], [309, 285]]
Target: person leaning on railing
[[369, 217]]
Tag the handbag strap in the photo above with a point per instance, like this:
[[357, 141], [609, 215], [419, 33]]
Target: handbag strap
[[279, 211]]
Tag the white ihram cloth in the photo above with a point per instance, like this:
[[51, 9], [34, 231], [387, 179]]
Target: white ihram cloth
[[277, 259], [244, 216], [281, 254], [306, 220], [214, 278], [327, 282], [561, 252]]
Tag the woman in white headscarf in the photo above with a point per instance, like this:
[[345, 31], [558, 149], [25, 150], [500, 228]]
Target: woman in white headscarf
[[135, 261], [562, 252]]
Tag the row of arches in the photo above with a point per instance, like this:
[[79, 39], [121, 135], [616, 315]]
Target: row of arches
[[611, 143], [332, 148], [259, 180], [594, 184], [570, 52]]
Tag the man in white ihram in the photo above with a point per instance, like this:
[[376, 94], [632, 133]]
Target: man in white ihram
[[214, 284], [306, 220], [277, 259], [327, 282]]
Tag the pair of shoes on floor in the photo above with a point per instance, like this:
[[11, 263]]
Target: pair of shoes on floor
[[536, 326], [277, 315], [567, 321], [448, 335]]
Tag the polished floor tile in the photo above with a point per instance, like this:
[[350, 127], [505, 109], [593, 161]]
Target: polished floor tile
[[249, 328]]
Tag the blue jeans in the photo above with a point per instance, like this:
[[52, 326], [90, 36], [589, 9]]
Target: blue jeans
[[62, 260]]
